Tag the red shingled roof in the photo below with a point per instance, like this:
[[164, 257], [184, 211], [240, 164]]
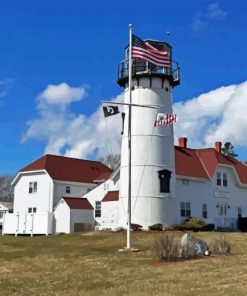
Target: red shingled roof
[[188, 163], [68, 169], [78, 203], [111, 196], [202, 163], [103, 177]]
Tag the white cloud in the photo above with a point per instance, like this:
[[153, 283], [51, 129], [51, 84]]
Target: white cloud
[[218, 115], [5, 86], [214, 12], [71, 134], [202, 19], [62, 94]]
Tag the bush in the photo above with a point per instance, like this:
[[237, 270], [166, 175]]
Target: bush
[[195, 221], [156, 227], [167, 248], [136, 227], [242, 224], [221, 246], [208, 227], [193, 227]]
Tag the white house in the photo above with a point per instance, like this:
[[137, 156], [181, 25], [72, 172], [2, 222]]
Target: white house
[[208, 185], [5, 207], [73, 214], [39, 186]]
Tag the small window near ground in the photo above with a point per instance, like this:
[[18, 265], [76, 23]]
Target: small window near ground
[[204, 211], [224, 179], [33, 187], [185, 209], [218, 182], [97, 209], [67, 189]]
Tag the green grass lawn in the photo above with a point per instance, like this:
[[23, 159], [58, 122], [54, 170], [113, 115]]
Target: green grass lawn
[[91, 265]]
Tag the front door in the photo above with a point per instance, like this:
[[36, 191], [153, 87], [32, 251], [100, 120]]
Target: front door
[[224, 220]]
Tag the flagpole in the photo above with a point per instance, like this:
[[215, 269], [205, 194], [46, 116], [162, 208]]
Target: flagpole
[[129, 140]]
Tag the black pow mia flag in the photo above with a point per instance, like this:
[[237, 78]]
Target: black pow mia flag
[[110, 110]]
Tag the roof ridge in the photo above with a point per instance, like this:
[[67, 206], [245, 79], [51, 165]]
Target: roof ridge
[[195, 149], [198, 155], [63, 156]]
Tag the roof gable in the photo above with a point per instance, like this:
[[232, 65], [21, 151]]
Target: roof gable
[[68, 169], [111, 196], [202, 163], [78, 203]]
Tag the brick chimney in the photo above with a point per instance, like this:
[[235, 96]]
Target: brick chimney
[[218, 146], [182, 142]]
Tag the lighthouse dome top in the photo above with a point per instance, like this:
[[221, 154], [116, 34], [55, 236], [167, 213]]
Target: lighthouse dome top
[[150, 58]]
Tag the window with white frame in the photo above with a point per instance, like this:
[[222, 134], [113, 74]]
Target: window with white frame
[[33, 187], [221, 179], [185, 209], [67, 189], [223, 209], [97, 209], [32, 210], [204, 211], [224, 179], [218, 181], [2, 213]]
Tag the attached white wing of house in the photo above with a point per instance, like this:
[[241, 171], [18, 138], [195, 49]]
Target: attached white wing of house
[[39, 186]]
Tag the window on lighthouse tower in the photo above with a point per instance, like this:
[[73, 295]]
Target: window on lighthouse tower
[[164, 177]]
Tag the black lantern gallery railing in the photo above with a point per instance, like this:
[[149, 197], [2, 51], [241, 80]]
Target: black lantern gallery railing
[[142, 68]]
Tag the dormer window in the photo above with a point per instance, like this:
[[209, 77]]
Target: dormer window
[[224, 179], [218, 182], [221, 179], [164, 176]]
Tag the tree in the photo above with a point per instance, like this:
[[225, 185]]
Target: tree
[[111, 160], [6, 189], [228, 150]]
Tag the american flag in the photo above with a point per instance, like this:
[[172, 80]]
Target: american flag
[[165, 119], [144, 50]]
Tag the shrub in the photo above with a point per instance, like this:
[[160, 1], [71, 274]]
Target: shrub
[[167, 248], [221, 246], [156, 227], [136, 227], [208, 227], [195, 221], [193, 227]]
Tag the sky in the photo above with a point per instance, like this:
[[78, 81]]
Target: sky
[[59, 60]]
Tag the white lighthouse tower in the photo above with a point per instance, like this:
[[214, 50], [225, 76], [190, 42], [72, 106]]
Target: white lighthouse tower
[[153, 197]]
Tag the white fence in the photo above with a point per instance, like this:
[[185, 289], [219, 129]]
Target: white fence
[[28, 223]]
